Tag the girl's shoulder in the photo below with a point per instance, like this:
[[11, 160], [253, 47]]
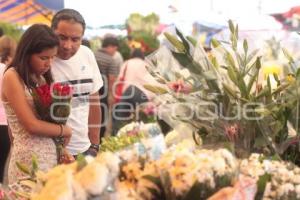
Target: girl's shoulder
[[11, 75]]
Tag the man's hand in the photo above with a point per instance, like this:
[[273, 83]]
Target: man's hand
[[93, 150]]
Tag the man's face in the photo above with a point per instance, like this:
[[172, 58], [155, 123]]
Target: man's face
[[70, 36]]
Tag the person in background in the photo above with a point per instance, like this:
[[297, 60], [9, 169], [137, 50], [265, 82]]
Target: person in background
[[76, 64], [109, 70], [86, 42], [135, 76], [118, 58], [7, 51], [29, 68]]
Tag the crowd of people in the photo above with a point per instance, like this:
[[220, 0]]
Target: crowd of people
[[59, 54]]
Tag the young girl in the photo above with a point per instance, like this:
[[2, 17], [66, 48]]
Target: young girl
[[30, 68]]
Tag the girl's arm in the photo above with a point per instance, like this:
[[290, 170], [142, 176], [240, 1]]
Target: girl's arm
[[14, 93]]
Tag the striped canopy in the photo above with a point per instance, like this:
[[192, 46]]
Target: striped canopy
[[26, 12]]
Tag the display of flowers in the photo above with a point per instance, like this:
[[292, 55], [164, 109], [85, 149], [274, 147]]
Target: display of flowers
[[277, 179], [178, 171], [81, 180]]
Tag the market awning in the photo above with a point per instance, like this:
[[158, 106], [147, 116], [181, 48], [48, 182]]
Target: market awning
[[26, 12]]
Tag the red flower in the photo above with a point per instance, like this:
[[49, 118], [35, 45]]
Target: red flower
[[44, 95], [61, 89]]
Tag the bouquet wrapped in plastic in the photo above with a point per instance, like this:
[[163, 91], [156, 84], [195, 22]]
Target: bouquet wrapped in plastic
[[52, 104]]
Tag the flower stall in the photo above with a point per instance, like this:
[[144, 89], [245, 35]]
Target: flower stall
[[235, 133]]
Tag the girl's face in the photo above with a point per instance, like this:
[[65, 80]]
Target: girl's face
[[40, 62]]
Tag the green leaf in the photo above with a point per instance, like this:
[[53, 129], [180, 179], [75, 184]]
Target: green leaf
[[255, 76], [155, 89], [251, 56], [280, 88], [259, 142], [298, 73], [262, 93], [210, 75], [276, 78], [186, 62], [231, 26], [287, 55], [214, 61], [81, 161], [261, 185], [34, 165], [230, 60], [215, 43], [242, 87], [184, 41], [23, 168], [175, 42], [236, 31], [245, 46], [194, 193], [192, 40], [230, 91], [232, 75]]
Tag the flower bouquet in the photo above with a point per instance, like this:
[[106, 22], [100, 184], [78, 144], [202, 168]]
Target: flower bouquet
[[52, 104]]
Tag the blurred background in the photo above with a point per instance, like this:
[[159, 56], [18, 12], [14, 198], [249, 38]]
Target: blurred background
[[144, 21]]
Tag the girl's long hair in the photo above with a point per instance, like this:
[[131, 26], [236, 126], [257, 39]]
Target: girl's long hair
[[35, 39]]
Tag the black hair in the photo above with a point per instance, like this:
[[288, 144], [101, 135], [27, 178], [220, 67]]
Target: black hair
[[137, 53], [110, 41], [1, 32], [86, 42], [35, 39], [68, 15]]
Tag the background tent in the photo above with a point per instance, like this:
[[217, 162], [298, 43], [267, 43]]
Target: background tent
[[26, 12]]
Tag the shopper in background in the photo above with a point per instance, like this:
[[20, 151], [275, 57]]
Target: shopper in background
[[7, 52]]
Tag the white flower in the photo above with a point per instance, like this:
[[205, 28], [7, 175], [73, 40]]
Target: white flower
[[297, 189], [111, 161], [93, 178], [285, 189], [296, 179], [59, 188]]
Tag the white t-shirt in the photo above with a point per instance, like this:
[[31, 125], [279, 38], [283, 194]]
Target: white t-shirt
[[82, 71]]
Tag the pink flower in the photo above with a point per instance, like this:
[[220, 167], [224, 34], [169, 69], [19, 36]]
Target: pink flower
[[231, 131], [150, 109], [2, 194], [180, 86]]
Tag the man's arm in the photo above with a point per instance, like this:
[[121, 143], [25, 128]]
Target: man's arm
[[94, 118]]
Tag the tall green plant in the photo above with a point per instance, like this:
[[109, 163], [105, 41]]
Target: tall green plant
[[228, 81]]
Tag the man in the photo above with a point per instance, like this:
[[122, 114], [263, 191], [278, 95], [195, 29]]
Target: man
[[109, 70], [75, 64]]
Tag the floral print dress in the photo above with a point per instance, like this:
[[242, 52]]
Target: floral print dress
[[25, 145]]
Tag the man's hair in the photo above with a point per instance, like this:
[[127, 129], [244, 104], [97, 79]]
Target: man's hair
[[110, 41], [68, 15]]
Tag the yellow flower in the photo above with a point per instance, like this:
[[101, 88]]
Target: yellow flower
[[290, 78], [271, 69]]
